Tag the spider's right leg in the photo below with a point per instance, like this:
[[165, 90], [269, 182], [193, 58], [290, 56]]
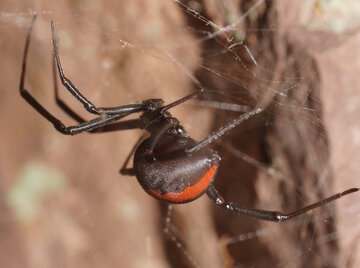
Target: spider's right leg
[[99, 122], [91, 108], [70, 112], [123, 125]]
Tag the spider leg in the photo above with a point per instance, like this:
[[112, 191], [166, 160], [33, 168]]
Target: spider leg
[[124, 125], [90, 125], [70, 112], [223, 130], [24, 93], [182, 100], [100, 121], [155, 137], [130, 171], [91, 108], [266, 215]]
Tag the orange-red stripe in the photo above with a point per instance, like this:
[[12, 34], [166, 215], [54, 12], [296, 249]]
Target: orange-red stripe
[[189, 193]]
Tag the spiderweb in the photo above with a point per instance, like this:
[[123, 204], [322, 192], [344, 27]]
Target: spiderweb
[[65, 205]]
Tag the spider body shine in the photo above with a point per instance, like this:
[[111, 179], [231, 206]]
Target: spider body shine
[[170, 174]]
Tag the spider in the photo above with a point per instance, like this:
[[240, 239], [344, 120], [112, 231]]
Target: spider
[[169, 165]]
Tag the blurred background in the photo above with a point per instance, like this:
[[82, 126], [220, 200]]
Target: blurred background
[[64, 203]]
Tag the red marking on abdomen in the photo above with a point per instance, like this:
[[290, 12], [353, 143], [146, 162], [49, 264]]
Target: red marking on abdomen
[[189, 193]]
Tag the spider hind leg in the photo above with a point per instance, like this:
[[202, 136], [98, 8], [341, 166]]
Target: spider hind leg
[[266, 215]]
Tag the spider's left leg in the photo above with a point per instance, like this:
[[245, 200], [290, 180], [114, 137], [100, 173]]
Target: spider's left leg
[[224, 129], [124, 169], [266, 215], [23, 92]]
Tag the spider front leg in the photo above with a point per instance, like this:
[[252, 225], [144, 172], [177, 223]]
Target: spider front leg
[[123, 125], [106, 115], [223, 130], [266, 215], [72, 130], [63, 106], [90, 107]]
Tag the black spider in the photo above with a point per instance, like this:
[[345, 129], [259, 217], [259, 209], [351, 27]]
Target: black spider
[[169, 165]]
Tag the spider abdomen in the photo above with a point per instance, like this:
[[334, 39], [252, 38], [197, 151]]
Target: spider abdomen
[[170, 174]]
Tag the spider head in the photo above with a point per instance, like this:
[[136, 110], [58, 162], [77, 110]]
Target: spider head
[[152, 104], [151, 113]]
